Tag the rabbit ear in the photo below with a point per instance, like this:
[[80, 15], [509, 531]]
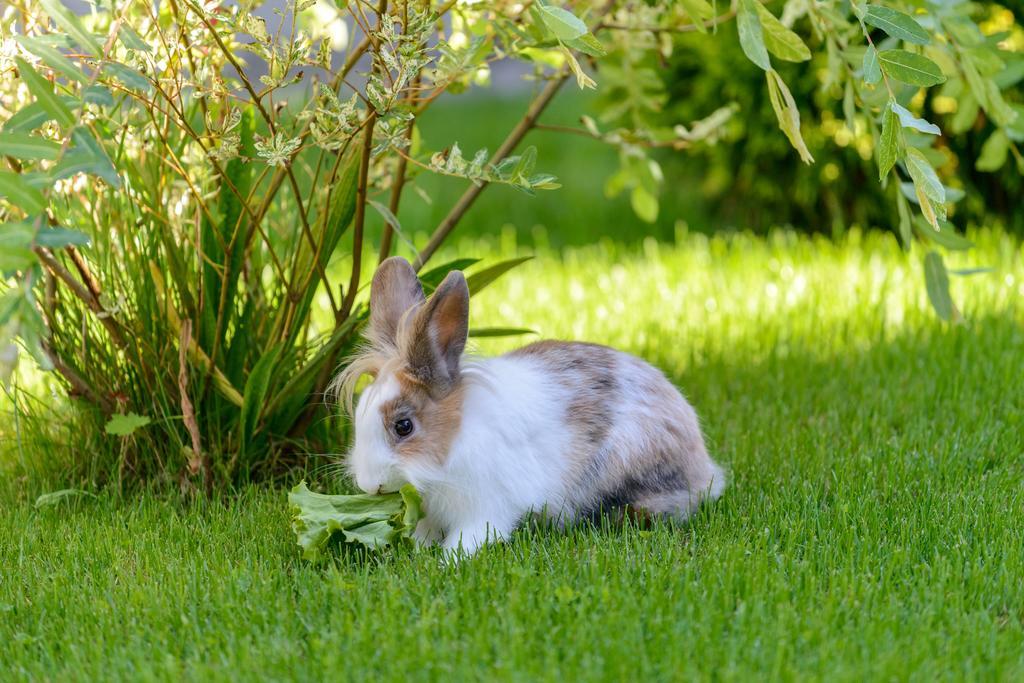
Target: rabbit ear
[[438, 335], [395, 289]]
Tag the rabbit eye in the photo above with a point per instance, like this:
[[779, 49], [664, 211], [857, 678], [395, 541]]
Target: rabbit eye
[[403, 427]]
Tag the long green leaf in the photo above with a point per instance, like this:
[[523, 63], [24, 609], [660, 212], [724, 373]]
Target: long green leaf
[[908, 120], [779, 40], [748, 25], [945, 236], [23, 146], [500, 331], [562, 23], [924, 176], [70, 23], [699, 11], [433, 277], [477, 281], [911, 68], [896, 24], [871, 71], [255, 393], [56, 238], [787, 114], [53, 58], [21, 194], [936, 281], [87, 156], [42, 89], [888, 143]]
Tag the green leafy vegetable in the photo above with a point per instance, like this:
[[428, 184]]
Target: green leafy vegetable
[[374, 521]]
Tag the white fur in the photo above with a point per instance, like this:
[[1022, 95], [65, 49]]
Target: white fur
[[372, 463]]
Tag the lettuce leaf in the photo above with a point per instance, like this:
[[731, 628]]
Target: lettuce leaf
[[374, 521]]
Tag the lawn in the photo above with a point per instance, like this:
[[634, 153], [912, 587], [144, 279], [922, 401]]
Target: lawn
[[872, 529]]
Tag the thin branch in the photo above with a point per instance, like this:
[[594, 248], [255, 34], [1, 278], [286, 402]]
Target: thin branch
[[529, 120], [83, 293], [681, 28], [676, 144], [77, 382], [396, 192]]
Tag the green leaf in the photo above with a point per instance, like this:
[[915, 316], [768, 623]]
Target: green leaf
[[903, 208], [644, 203], [133, 40], [21, 194], [888, 143], [375, 521], [53, 58], [564, 24], [26, 119], [699, 12], [499, 331], [910, 68], [255, 393], [129, 76], [433, 277], [124, 425], [42, 89], [946, 236], [779, 40], [908, 120], [994, 152], [55, 497], [897, 24], [477, 281], [986, 91], [87, 156], [588, 45], [69, 22], [23, 146], [748, 25], [872, 71], [375, 535], [787, 114], [413, 507], [55, 238], [386, 213], [924, 176], [16, 247], [936, 281]]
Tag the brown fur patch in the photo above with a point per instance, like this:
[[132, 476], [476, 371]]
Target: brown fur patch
[[588, 372], [436, 420]]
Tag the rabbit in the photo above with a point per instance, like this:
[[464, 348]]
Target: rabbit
[[566, 428]]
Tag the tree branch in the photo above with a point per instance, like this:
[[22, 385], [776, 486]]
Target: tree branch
[[533, 112]]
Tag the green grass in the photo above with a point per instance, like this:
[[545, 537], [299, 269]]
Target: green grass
[[872, 529]]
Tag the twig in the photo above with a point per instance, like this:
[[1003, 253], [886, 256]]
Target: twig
[[537, 106], [682, 28], [677, 144], [83, 293], [396, 193], [196, 461], [77, 382]]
